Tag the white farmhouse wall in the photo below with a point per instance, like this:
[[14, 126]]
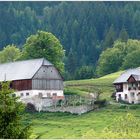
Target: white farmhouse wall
[[31, 93], [131, 99]]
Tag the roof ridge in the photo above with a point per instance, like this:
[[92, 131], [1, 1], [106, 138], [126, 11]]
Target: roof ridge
[[21, 61]]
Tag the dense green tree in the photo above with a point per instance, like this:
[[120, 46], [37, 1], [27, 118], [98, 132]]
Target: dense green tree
[[11, 123], [110, 38], [123, 36], [44, 44], [71, 63], [123, 55], [132, 60], [9, 54], [85, 72], [109, 61], [93, 25]]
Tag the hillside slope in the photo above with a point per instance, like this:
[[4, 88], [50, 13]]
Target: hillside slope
[[82, 87]]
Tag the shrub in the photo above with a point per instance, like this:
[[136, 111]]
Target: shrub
[[30, 108], [123, 107], [101, 103], [123, 102], [134, 106], [123, 127], [113, 96]]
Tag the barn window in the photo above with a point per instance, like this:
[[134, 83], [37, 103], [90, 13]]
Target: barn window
[[132, 94], [54, 94], [27, 94], [21, 94]]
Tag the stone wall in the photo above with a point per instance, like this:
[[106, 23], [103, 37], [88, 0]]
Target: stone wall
[[67, 105], [71, 109]]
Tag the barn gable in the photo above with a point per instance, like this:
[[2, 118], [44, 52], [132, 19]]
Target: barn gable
[[47, 72], [47, 77]]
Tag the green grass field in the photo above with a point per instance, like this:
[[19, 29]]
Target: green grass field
[[83, 87], [65, 125]]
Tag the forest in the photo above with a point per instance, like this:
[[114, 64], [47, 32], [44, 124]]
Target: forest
[[86, 30]]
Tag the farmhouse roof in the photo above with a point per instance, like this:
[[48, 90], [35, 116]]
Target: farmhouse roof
[[137, 77], [21, 69], [124, 76]]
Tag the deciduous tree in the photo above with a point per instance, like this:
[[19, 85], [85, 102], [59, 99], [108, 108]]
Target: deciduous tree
[[44, 44]]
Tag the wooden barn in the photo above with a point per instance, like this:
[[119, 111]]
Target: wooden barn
[[33, 77]]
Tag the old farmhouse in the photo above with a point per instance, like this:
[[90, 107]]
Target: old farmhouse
[[128, 86], [33, 77]]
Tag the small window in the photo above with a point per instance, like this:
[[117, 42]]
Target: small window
[[133, 94], [125, 96], [21, 94], [54, 94], [27, 94]]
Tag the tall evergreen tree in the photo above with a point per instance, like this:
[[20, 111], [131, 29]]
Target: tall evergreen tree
[[11, 123], [109, 38], [123, 36]]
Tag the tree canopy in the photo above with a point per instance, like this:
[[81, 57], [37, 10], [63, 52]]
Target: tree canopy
[[123, 55], [44, 44], [10, 53]]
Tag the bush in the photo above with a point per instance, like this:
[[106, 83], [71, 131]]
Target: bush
[[123, 106], [123, 102], [134, 106], [113, 96], [30, 108], [101, 103]]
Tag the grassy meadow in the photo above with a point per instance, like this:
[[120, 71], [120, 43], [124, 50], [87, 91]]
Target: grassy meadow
[[83, 87], [66, 125]]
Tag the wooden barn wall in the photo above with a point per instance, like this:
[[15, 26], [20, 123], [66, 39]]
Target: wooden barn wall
[[43, 84], [47, 78], [22, 85], [47, 72]]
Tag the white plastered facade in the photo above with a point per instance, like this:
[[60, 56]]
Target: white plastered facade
[[45, 93], [131, 96]]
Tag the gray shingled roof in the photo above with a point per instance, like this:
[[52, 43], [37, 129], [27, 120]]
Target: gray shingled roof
[[21, 69], [124, 76], [137, 77]]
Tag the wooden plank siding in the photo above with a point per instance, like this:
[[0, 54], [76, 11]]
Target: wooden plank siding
[[42, 84], [22, 85], [46, 78]]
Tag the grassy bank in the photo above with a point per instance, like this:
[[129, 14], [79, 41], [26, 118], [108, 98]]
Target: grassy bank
[[83, 87]]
